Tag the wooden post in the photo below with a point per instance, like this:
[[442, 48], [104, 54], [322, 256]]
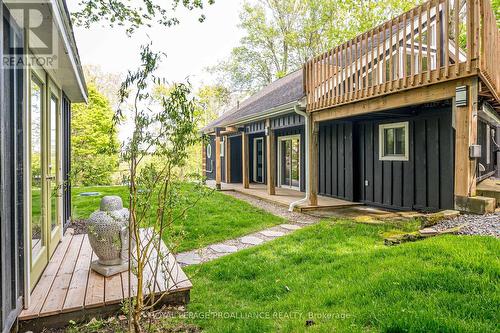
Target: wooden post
[[313, 163], [227, 159], [271, 159], [218, 169], [466, 135], [244, 157]]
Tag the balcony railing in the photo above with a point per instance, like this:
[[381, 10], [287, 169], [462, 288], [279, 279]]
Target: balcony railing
[[437, 41]]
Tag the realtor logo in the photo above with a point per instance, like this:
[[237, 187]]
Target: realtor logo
[[36, 19]]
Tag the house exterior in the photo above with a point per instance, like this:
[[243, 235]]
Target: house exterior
[[40, 77], [404, 116]]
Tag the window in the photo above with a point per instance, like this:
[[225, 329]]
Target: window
[[393, 142], [209, 151], [222, 147]]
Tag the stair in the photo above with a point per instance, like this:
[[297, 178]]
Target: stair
[[490, 188]]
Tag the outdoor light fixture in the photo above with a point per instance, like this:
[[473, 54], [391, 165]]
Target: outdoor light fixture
[[461, 96]]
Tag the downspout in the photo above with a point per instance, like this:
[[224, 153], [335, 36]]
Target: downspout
[[300, 111]]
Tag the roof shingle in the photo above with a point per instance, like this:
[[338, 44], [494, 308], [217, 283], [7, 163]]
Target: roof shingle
[[280, 92]]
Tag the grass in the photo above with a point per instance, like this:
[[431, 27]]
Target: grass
[[341, 276], [215, 218]]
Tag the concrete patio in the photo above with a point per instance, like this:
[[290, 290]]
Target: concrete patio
[[284, 196]]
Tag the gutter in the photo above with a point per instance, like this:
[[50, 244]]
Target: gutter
[[300, 111]]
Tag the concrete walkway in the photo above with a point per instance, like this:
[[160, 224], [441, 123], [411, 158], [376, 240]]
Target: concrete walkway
[[294, 222]]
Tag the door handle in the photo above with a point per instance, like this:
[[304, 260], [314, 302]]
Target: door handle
[[50, 177]]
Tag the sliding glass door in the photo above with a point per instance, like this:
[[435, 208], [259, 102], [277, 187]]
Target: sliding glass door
[[289, 161]]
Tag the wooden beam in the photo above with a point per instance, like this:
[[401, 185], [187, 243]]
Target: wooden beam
[[244, 157], [313, 164], [271, 159], [218, 169], [465, 120], [431, 93]]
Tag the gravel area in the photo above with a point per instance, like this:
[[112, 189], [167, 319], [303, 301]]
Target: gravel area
[[486, 225]]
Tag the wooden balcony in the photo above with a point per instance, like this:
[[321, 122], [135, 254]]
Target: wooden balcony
[[437, 41]]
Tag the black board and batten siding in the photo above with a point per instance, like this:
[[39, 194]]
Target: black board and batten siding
[[335, 160], [11, 177], [288, 120], [255, 127], [350, 168], [235, 156]]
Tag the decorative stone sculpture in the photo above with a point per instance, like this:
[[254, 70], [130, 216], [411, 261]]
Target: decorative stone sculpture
[[108, 234]]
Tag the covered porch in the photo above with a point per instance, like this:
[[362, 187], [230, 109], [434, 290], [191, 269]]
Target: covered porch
[[283, 196]]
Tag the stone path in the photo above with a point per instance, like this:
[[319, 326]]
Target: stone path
[[295, 221]]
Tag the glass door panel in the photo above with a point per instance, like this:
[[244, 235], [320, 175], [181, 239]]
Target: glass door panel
[[38, 223], [295, 162], [259, 160], [44, 147], [52, 167], [290, 162], [38, 240], [53, 170]]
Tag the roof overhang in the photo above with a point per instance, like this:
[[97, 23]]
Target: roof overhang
[[67, 71]]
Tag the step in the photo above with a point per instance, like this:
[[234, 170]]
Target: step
[[476, 205]]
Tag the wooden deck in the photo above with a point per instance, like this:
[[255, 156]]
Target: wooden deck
[[284, 196], [69, 290]]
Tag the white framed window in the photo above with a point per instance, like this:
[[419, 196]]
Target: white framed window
[[394, 141], [222, 146], [209, 151]]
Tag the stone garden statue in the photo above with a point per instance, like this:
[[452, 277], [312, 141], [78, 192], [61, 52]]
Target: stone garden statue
[[108, 234]]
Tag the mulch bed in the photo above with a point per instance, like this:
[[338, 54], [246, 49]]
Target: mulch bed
[[79, 226], [153, 321]]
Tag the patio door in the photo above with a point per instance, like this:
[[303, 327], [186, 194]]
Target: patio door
[[44, 149], [289, 161], [258, 160]]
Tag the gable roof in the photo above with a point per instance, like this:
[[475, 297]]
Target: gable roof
[[289, 89]]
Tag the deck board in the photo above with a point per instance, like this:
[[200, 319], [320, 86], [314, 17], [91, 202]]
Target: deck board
[[68, 285], [95, 288], [75, 298], [44, 285], [113, 290], [55, 299]]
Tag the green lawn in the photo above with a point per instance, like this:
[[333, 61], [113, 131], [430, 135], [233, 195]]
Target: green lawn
[[343, 276], [215, 218]]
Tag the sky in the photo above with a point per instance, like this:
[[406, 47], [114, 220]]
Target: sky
[[190, 46]]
